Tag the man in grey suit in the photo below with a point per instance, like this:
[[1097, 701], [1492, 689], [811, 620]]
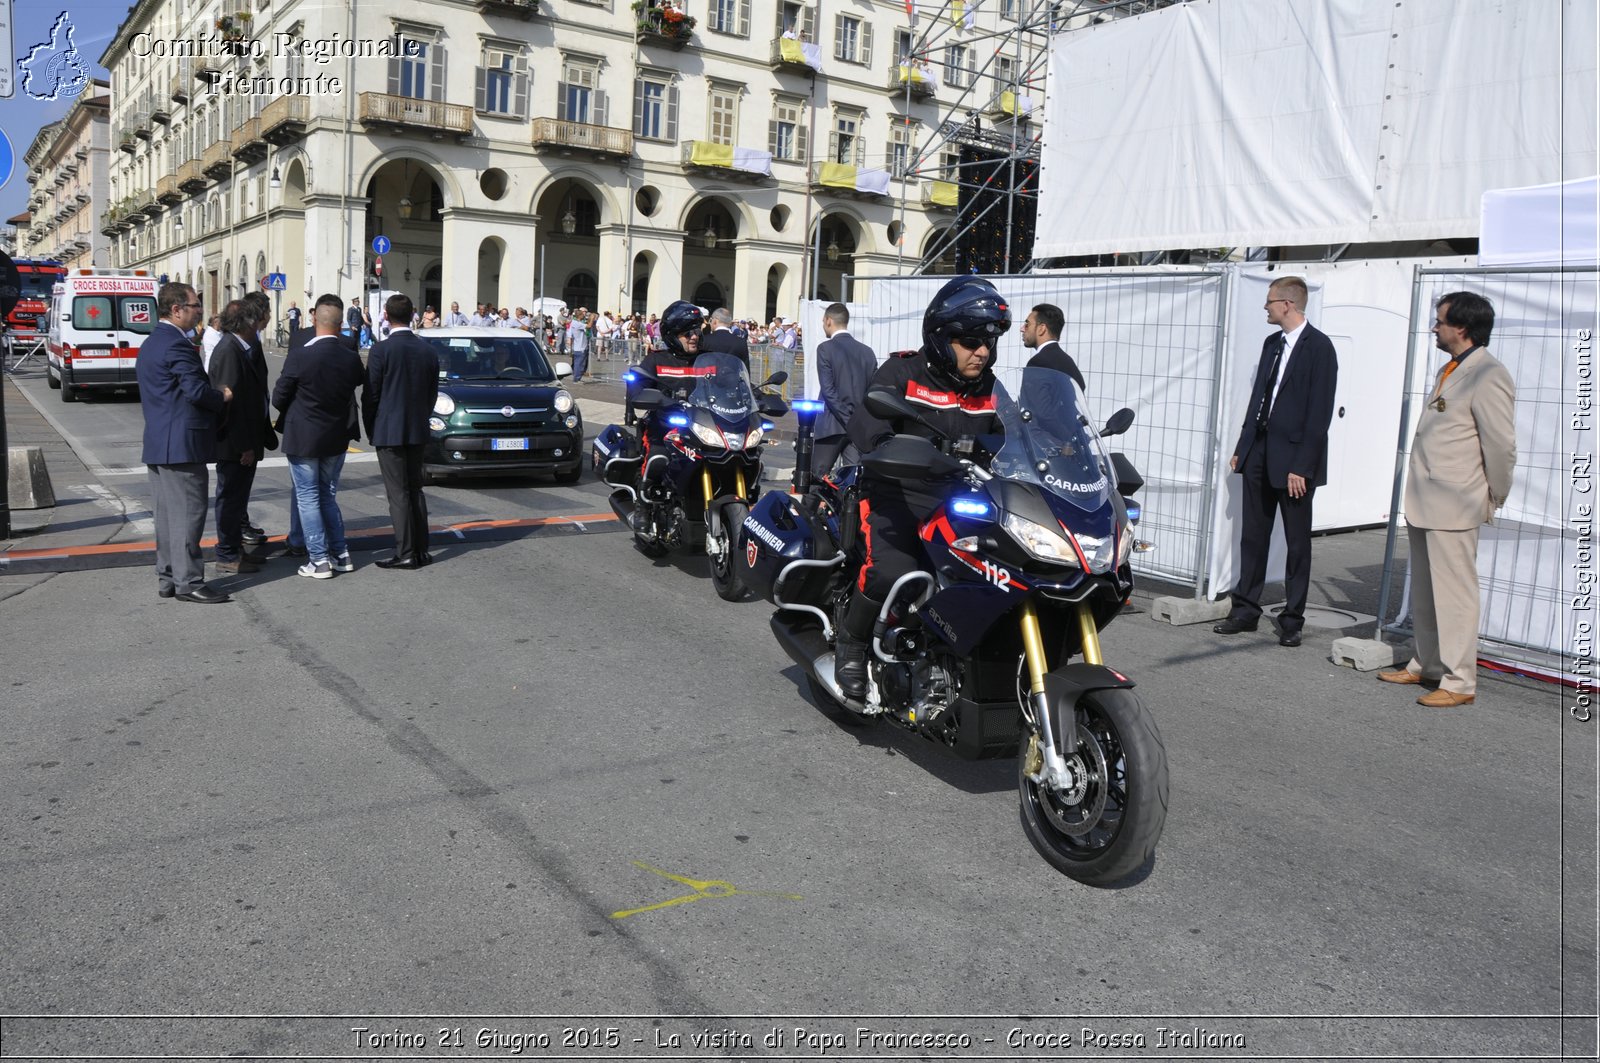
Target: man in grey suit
[[402, 386], [845, 367], [723, 339], [1462, 459], [181, 414]]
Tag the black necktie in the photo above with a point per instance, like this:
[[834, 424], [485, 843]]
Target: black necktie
[[1272, 381]]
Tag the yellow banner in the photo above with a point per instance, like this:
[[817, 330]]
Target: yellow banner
[[958, 11], [1008, 102], [945, 194], [916, 76], [837, 175], [789, 50], [705, 153]]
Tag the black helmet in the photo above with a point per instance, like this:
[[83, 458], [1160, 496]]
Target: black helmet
[[682, 316], [967, 306]]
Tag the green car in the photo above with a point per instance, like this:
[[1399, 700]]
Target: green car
[[501, 407]]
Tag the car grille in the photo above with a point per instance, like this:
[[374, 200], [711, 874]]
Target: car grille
[[507, 426]]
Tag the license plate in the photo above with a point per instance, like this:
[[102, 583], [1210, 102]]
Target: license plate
[[509, 444]]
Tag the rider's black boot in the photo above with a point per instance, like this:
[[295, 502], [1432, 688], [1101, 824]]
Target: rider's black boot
[[850, 650]]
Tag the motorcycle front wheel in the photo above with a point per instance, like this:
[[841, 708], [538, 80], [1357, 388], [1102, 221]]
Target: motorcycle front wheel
[[726, 575], [1107, 826]]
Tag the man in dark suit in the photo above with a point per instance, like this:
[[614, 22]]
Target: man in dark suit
[[181, 413], [253, 535], [316, 392], [723, 339], [845, 367], [402, 386], [1042, 333], [301, 337], [245, 431], [1283, 456]]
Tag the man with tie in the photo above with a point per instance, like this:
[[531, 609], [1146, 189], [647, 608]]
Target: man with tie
[[1042, 333], [402, 386], [181, 414], [1283, 456], [845, 366], [1459, 473]]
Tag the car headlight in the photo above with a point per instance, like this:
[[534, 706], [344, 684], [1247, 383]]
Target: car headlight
[[563, 402], [707, 434], [572, 420], [1041, 542], [436, 424], [753, 439], [444, 405]]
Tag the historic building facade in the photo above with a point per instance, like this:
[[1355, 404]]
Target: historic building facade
[[736, 152], [69, 174]]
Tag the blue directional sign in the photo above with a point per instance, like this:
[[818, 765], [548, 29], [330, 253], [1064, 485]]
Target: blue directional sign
[[380, 245], [8, 158], [278, 282]]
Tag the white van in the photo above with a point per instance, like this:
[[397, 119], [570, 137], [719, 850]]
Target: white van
[[98, 320]]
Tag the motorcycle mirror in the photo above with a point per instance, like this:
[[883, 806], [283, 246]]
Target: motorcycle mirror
[[1119, 423], [772, 406], [780, 377], [648, 399], [910, 458]]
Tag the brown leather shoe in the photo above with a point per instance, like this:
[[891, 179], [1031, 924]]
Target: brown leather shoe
[[243, 565], [1399, 675], [1445, 699]]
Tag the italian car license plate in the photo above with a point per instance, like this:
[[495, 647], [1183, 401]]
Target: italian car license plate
[[509, 444]]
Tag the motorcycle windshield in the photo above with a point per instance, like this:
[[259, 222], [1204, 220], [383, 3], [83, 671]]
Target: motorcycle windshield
[[722, 386], [1050, 442]]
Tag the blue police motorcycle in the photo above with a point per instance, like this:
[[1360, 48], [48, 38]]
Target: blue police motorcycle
[[1026, 561]]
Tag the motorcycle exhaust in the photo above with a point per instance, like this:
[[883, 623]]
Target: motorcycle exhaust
[[622, 504], [806, 646]]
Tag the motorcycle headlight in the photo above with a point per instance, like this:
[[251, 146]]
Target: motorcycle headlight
[[1100, 552], [735, 440], [563, 402], [707, 434], [754, 438], [1043, 543], [444, 405]]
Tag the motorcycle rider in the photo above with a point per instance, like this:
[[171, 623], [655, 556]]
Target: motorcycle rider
[[668, 365], [951, 382]]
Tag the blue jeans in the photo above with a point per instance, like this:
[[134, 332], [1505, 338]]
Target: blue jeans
[[580, 362], [316, 491]]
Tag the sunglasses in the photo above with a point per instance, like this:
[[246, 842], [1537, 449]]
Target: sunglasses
[[975, 341]]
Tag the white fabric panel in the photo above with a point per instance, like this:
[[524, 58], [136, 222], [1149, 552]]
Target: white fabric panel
[[876, 181], [1546, 225], [1262, 122], [753, 160]]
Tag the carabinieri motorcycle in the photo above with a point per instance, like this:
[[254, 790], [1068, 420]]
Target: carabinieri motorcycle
[[1027, 561], [690, 477]]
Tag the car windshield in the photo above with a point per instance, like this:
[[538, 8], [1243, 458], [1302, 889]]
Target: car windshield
[[1050, 442], [722, 386], [497, 358]]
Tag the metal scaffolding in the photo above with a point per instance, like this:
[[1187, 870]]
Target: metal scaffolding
[[1011, 68]]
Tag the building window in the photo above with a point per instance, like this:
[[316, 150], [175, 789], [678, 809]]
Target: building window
[[786, 133], [797, 20], [577, 98], [902, 47], [503, 81], [902, 141], [724, 116], [729, 16], [955, 65], [847, 146], [1005, 71], [655, 108], [852, 40], [417, 71], [950, 165]]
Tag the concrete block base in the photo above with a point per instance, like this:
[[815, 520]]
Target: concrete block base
[[28, 480], [1181, 611], [1368, 655]]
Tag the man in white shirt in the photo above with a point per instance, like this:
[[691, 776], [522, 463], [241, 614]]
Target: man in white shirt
[[578, 344], [455, 318], [209, 340]]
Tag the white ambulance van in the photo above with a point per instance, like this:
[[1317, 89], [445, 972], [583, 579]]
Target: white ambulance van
[[98, 320]]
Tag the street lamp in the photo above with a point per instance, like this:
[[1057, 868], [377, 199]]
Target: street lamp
[[569, 220], [276, 182], [833, 249], [405, 208], [710, 237]]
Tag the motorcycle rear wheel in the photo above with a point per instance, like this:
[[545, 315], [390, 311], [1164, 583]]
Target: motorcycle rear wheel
[[725, 575], [1109, 828]]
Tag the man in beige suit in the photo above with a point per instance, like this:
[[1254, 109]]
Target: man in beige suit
[[1459, 474]]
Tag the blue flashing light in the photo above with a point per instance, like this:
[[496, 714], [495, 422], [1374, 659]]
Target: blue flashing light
[[630, 377], [806, 406], [678, 420], [1134, 511], [767, 426], [971, 507]]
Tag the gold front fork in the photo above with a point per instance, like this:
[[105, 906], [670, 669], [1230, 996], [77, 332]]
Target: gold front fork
[[1033, 648], [1089, 635], [738, 473], [705, 483]]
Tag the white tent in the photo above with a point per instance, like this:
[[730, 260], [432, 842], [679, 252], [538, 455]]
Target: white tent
[[1546, 225]]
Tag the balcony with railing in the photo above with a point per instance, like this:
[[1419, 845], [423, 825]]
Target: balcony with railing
[[283, 121], [662, 22], [178, 87], [795, 56], [406, 114], [552, 134], [167, 190], [190, 178], [141, 126], [128, 142], [144, 203], [726, 161], [523, 9], [854, 182], [918, 77], [161, 110], [248, 145], [941, 195], [217, 162]]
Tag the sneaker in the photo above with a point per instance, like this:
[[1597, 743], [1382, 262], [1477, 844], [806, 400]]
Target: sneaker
[[342, 563], [316, 569]]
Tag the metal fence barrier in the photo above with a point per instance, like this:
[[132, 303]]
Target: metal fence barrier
[[1530, 560]]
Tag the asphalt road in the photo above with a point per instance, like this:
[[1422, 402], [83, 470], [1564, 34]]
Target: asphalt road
[[558, 787]]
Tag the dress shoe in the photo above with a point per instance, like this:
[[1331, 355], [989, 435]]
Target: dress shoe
[[399, 562], [241, 566], [203, 595], [1399, 675], [1445, 699], [166, 592], [252, 534], [1231, 626], [424, 558], [255, 557], [1290, 639]]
